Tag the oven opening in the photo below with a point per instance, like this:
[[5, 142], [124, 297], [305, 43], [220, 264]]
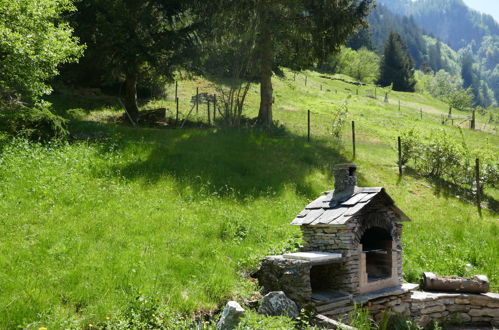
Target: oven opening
[[377, 246]]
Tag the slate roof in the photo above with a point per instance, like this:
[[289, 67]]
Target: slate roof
[[326, 211]]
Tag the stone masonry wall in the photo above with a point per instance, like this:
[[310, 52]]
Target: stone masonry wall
[[426, 307], [338, 239], [291, 276], [461, 308]]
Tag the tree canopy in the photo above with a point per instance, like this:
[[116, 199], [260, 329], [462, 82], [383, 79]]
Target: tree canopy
[[449, 89], [397, 67], [34, 41], [296, 34], [127, 39]]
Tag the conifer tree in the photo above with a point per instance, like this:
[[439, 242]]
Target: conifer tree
[[397, 67]]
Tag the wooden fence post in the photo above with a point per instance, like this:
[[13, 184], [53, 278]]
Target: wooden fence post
[[306, 80], [197, 100], [375, 93], [400, 155], [473, 122], [399, 105], [176, 114], [308, 125], [357, 91], [353, 140], [421, 113], [214, 108], [208, 109], [176, 89], [478, 190]]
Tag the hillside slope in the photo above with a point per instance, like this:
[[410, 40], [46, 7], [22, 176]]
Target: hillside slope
[[184, 215]]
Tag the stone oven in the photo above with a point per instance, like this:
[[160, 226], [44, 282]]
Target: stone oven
[[352, 248]]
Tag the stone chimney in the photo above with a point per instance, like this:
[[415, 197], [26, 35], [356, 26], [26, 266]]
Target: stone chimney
[[345, 181]]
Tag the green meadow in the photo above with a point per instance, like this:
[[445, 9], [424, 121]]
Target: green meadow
[[185, 215]]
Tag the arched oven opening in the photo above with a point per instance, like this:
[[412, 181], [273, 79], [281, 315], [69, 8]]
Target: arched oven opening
[[377, 247]]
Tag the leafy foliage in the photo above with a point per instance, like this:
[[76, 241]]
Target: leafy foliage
[[440, 156], [362, 64], [34, 41], [448, 88], [127, 40], [296, 34], [37, 124]]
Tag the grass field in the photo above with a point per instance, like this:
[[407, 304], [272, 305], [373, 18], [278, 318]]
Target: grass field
[[185, 215]]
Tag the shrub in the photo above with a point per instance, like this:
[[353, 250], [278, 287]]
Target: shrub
[[37, 124], [339, 119], [440, 156]]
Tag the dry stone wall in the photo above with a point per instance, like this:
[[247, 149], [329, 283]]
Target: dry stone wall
[[289, 275], [461, 308]]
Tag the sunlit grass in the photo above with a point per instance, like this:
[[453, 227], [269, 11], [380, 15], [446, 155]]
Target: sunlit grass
[[185, 215]]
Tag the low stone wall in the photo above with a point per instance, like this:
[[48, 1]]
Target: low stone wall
[[462, 308], [426, 307], [289, 275]]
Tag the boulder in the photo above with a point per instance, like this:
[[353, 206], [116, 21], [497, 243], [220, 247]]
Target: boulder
[[276, 303], [231, 316]]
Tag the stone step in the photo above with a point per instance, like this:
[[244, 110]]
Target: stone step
[[332, 306], [338, 311]]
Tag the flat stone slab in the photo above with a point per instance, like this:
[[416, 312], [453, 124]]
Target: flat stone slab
[[393, 291], [325, 296], [314, 256], [428, 296]]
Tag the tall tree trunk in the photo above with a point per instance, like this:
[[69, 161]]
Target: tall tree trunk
[[266, 64], [131, 97]]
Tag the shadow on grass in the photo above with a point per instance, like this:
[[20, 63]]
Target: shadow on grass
[[448, 189], [242, 163], [246, 162]]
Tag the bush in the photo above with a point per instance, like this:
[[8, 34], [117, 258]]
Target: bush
[[37, 124], [440, 156], [339, 120]]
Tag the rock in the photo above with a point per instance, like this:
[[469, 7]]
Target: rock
[[276, 303], [231, 316]]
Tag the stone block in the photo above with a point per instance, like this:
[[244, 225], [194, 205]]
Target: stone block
[[462, 301], [492, 312], [481, 319], [458, 308], [433, 309], [461, 317], [402, 308]]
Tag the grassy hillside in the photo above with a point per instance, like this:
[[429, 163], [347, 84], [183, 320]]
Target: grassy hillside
[[184, 215]]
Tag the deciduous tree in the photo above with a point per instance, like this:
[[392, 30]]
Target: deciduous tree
[[34, 41]]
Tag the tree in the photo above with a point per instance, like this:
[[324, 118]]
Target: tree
[[448, 88], [34, 41], [362, 65], [397, 65], [296, 34], [133, 37]]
